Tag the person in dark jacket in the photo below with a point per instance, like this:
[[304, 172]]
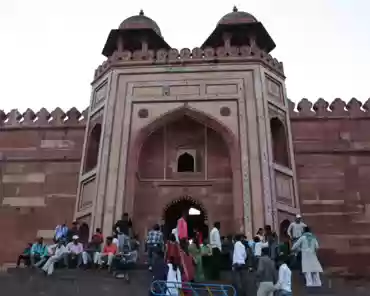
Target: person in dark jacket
[[266, 274], [123, 226], [72, 231], [160, 271]]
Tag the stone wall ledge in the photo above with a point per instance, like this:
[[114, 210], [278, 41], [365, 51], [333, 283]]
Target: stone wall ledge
[[187, 182], [7, 159], [43, 118], [321, 109]]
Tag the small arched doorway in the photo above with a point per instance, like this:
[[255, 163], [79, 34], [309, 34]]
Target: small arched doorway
[[283, 231], [196, 216]]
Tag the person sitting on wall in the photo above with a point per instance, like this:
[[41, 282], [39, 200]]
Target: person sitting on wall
[[98, 236], [83, 234], [25, 256], [38, 251], [92, 249], [107, 256], [75, 249], [124, 225], [72, 231], [59, 253], [61, 231]]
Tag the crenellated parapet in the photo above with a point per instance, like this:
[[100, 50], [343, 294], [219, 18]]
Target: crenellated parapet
[[323, 109], [186, 56], [43, 118]]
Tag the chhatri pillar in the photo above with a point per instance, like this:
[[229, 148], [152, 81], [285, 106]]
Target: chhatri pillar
[[206, 129]]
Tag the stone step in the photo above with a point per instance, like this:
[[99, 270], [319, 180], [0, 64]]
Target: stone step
[[30, 282]]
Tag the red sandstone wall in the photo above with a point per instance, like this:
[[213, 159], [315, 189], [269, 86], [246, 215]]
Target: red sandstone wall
[[40, 157], [332, 154], [39, 166]]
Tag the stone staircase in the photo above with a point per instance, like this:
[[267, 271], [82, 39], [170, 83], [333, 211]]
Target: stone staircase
[[64, 282]]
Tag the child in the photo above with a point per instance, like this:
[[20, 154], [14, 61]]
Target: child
[[25, 256]]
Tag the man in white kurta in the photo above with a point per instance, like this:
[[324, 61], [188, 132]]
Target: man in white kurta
[[60, 254], [311, 266]]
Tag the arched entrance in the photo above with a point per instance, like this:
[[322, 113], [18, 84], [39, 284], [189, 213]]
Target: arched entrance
[[196, 216], [184, 152]]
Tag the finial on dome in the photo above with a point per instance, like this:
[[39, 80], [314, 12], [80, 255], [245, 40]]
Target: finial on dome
[[141, 12], [235, 9]]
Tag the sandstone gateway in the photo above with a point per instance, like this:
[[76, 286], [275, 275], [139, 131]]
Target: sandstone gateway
[[209, 129]]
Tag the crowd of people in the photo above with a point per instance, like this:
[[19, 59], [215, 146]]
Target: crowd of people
[[73, 249], [197, 259], [180, 259]]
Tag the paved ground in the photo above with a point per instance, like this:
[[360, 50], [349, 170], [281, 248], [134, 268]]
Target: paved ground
[[25, 282]]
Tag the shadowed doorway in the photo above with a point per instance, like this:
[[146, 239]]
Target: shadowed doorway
[[196, 216]]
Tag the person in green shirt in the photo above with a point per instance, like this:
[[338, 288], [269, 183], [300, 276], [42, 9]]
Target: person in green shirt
[[25, 256], [206, 251], [196, 251]]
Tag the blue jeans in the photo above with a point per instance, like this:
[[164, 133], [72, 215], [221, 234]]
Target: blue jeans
[[152, 250], [284, 293]]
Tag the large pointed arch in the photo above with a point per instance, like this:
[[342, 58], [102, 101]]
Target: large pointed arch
[[231, 140]]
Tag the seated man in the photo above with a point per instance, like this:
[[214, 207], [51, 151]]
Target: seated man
[[92, 249], [38, 252], [126, 257], [98, 236], [60, 253], [109, 251], [75, 250], [25, 256]]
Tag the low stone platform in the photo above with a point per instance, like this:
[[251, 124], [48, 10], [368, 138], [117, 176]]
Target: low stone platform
[[27, 282]]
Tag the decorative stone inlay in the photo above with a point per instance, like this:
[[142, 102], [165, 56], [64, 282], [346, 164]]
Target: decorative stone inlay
[[225, 111], [143, 113]]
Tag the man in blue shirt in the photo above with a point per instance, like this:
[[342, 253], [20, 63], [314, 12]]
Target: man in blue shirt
[[61, 231]]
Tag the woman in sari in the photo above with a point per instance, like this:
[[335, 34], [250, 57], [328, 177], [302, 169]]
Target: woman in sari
[[172, 250], [196, 251], [187, 265]]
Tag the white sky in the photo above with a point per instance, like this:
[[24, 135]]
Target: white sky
[[49, 49]]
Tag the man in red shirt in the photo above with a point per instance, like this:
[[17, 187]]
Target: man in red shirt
[[107, 256]]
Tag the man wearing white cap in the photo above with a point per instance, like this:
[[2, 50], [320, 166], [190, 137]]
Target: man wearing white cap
[[59, 254], [75, 249], [296, 228]]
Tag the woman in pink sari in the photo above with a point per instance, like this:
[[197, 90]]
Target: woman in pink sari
[[187, 266], [182, 227]]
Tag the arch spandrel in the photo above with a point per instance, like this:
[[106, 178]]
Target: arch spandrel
[[167, 116], [161, 116]]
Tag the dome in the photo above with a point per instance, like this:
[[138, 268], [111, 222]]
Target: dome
[[140, 22], [237, 17]]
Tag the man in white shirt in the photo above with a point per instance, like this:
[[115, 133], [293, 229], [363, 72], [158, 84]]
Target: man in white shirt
[[60, 253], [284, 284], [215, 242], [75, 249], [295, 229], [239, 257]]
